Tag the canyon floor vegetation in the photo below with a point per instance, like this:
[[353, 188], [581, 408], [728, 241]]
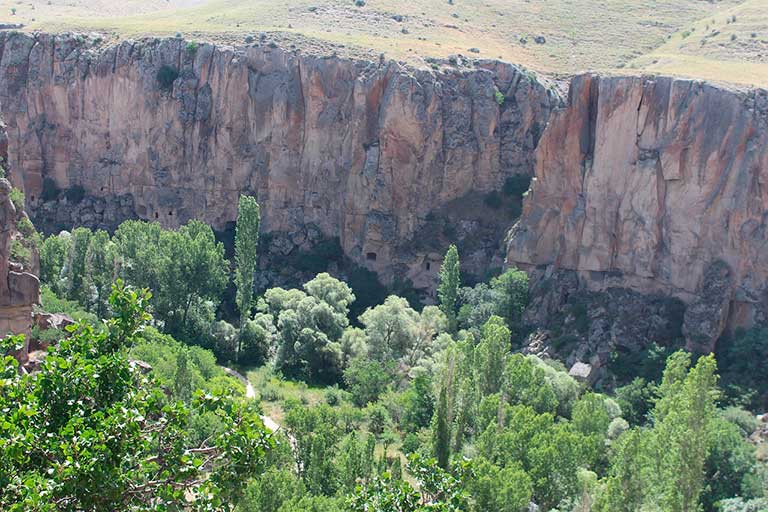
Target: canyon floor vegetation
[[403, 407]]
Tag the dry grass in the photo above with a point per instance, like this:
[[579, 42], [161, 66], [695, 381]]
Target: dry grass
[[731, 46], [579, 34]]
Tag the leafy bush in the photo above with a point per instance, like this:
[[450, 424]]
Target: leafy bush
[[741, 505], [499, 96], [17, 198], [636, 400], [86, 429], [26, 228], [20, 253], [366, 380], [54, 304], [745, 420], [332, 396], [617, 427]]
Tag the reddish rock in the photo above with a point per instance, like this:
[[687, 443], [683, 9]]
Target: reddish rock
[[364, 151], [646, 183]]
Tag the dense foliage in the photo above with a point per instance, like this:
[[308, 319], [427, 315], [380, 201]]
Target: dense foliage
[[89, 431], [386, 408]]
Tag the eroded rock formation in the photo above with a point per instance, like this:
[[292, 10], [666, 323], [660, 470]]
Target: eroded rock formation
[[19, 288], [657, 185], [166, 130]]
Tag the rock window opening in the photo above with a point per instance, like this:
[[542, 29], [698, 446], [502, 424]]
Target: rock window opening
[[428, 266], [371, 256]]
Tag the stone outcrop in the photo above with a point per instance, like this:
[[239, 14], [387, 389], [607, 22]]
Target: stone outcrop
[[19, 288], [656, 185], [168, 130]]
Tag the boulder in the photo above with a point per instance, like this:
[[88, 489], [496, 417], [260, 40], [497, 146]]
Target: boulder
[[582, 372]]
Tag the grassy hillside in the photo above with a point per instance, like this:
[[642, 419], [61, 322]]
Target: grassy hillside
[[561, 36]]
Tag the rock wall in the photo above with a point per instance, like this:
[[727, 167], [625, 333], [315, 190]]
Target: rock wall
[[657, 185], [19, 286], [168, 130]]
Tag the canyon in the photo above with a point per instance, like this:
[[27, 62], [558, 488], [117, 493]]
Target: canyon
[[168, 130], [644, 188]]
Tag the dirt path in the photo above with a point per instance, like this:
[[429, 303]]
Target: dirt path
[[250, 392]]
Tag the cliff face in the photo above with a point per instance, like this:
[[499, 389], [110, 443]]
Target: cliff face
[[19, 286], [165, 130], [656, 185]]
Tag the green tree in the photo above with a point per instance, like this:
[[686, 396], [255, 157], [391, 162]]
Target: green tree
[[505, 296], [499, 489], [367, 380], [354, 461], [448, 289], [100, 272], [192, 268], [314, 433], [731, 468], [441, 433], [54, 251], [636, 400], [590, 416], [75, 268], [309, 329], [182, 380], [270, 490], [490, 356], [139, 250], [419, 403], [512, 286], [665, 466], [246, 258], [390, 329], [685, 413], [85, 431], [256, 340], [525, 383], [395, 331]]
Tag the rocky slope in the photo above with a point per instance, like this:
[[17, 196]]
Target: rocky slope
[[19, 286], [168, 130], [656, 185]]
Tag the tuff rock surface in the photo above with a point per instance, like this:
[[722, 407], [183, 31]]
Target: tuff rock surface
[[19, 288], [656, 185], [165, 130]]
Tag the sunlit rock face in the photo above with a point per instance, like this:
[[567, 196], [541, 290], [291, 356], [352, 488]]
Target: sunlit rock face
[[165, 130], [657, 185]]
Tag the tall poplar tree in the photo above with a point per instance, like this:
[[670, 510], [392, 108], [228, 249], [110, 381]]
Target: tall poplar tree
[[448, 289], [246, 241]]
